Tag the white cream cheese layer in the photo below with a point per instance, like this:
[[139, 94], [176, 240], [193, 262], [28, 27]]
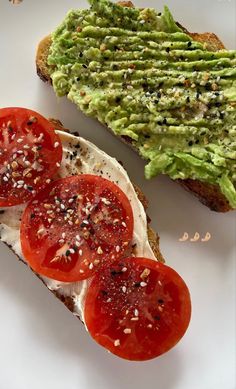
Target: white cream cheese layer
[[81, 156]]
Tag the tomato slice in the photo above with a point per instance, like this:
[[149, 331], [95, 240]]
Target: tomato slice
[[75, 226], [30, 154], [138, 308]]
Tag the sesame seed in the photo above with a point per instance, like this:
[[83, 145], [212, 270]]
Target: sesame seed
[[47, 206], [159, 282], [124, 269], [136, 312], [117, 249], [80, 252], [91, 266], [124, 289], [78, 237], [14, 165], [72, 251], [109, 300], [81, 271], [63, 235], [149, 326], [123, 224], [63, 206], [134, 319], [41, 231], [58, 164], [145, 274], [127, 331], [56, 144], [5, 179], [117, 342], [143, 284], [99, 250], [20, 182], [105, 201]]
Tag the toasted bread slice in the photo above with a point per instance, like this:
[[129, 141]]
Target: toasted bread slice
[[152, 236], [210, 195]]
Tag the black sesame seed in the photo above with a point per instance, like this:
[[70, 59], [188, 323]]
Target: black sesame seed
[[160, 301], [190, 143], [167, 49], [157, 317], [115, 272], [189, 44], [32, 216], [84, 66], [67, 253], [2, 211]]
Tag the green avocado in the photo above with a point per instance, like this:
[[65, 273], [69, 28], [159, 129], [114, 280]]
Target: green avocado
[[138, 73]]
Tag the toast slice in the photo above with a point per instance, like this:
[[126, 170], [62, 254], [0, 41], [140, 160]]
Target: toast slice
[[208, 194], [152, 237]]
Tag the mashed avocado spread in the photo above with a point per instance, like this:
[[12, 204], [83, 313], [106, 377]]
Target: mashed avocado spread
[[137, 72]]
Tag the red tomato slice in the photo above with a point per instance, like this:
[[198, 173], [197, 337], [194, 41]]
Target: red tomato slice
[[138, 308], [75, 226], [30, 154]]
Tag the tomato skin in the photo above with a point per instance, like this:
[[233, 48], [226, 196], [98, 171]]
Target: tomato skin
[[72, 233], [137, 322], [30, 154]]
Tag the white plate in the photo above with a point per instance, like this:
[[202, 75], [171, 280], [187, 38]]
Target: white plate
[[42, 344]]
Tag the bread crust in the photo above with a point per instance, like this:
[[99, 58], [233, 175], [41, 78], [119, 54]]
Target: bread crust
[[208, 194]]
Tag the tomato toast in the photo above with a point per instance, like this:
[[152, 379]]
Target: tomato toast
[[81, 226]]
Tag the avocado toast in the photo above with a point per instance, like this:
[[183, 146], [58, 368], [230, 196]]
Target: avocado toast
[[168, 93]]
